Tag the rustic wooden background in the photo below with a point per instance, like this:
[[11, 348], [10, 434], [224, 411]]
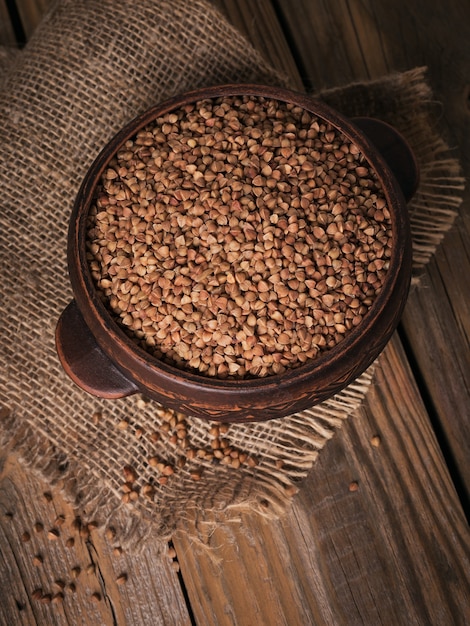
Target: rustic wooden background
[[378, 533]]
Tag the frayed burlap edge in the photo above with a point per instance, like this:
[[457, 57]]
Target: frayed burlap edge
[[275, 485], [406, 101], [267, 491], [77, 485]]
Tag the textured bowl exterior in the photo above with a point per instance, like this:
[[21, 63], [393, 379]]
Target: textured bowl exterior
[[255, 399]]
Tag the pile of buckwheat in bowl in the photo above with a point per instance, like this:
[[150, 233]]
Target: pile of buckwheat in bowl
[[238, 237]]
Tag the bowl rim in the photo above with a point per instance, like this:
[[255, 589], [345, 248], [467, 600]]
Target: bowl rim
[[95, 312]]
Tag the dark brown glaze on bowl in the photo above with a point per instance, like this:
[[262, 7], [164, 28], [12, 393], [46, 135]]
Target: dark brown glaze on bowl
[[109, 364]]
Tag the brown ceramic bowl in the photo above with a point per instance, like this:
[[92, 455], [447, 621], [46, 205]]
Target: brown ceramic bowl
[[98, 355]]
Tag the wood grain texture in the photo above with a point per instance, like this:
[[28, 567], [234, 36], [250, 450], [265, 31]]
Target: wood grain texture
[[31, 13], [7, 33], [437, 335], [255, 19], [375, 536], [151, 593]]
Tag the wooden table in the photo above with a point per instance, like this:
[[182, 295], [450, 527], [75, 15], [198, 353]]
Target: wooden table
[[377, 534]]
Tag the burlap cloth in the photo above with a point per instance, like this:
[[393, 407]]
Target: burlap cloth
[[90, 67]]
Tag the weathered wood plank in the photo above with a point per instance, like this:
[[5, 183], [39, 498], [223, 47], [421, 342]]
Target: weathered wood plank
[[7, 33], [375, 536], [437, 334], [254, 20], [31, 13], [79, 583]]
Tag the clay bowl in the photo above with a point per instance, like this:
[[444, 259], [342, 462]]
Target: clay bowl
[[98, 355]]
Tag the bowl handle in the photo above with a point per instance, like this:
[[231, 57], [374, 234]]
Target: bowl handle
[[84, 361], [395, 150]]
